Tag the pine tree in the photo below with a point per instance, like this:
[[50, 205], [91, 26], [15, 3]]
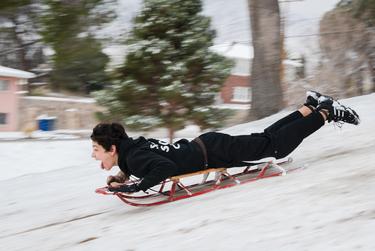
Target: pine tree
[[78, 61], [79, 65], [170, 77]]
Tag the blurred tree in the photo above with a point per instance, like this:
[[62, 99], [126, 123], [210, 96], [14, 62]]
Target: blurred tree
[[79, 65], [364, 10], [68, 27], [348, 49], [170, 76], [20, 45], [301, 70], [267, 96]]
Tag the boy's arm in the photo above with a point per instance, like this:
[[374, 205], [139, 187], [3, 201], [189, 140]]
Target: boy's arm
[[158, 168], [151, 167]]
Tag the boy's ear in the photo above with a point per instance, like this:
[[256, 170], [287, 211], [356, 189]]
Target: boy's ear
[[113, 150]]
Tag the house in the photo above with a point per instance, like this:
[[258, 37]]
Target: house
[[11, 81], [236, 89]]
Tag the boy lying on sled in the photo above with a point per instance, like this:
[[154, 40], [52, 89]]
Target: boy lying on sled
[[153, 161]]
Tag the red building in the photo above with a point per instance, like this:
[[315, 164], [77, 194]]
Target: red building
[[237, 88]]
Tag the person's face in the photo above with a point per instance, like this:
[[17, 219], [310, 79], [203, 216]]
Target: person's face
[[108, 158]]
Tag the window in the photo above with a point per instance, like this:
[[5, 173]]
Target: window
[[3, 118], [241, 94], [4, 85]]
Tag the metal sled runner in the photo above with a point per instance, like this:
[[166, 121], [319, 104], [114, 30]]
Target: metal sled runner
[[173, 189]]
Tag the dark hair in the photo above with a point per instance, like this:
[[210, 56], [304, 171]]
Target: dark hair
[[108, 134]]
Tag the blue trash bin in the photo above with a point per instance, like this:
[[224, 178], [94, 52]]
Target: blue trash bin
[[46, 123]]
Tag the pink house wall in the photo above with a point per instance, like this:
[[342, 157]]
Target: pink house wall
[[9, 105]]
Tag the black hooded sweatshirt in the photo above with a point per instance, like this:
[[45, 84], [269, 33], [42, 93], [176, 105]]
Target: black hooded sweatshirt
[[153, 160]]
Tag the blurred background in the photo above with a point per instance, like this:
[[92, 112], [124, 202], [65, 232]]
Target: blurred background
[[169, 68]]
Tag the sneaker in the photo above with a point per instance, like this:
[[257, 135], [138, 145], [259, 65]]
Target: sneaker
[[336, 111], [312, 98]]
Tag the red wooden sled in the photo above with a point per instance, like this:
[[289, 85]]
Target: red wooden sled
[[173, 189]]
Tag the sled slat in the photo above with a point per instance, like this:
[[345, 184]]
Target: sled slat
[[177, 178]]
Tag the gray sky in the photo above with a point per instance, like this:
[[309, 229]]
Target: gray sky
[[231, 21]]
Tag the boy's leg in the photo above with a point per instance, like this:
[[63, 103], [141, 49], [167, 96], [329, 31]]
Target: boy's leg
[[282, 137], [308, 107], [284, 121], [288, 137], [277, 144], [300, 113]]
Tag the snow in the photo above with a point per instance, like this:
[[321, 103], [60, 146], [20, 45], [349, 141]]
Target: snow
[[292, 63], [234, 50], [233, 106], [62, 134], [10, 72], [48, 200], [74, 100]]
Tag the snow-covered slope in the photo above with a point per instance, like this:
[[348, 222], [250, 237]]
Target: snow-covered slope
[[330, 205]]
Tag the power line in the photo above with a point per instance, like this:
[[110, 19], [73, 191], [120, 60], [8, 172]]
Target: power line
[[10, 51], [290, 1], [19, 48], [323, 33], [294, 21], [308, 35]]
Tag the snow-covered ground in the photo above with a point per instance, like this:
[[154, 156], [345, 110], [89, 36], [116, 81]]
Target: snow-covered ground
[[48, 200]]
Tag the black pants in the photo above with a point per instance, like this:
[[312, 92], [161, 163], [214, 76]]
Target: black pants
[[277, 140]]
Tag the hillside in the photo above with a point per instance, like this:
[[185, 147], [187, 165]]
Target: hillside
[[51, 204]]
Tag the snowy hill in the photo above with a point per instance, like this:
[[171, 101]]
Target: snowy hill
[[330, 205]]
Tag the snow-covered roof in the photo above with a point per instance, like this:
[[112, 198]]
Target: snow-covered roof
[[234, 50], [57, 99], [292, 63], [10, 72]]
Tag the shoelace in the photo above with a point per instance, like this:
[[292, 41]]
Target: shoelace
[[346, 114], [338, 110], [338, 124]]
